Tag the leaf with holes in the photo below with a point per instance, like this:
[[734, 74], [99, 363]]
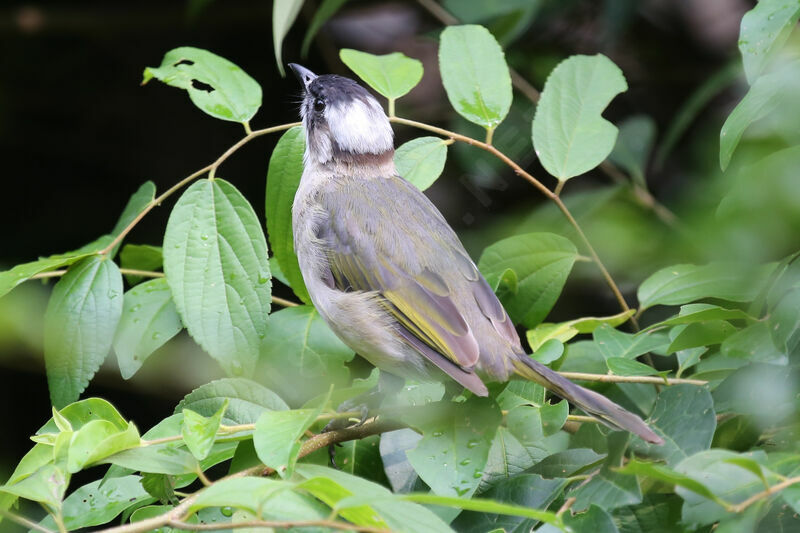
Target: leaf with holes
[[149, 319], [421, 161], [215, 260], [81, 318], [283, 178], [475, 74], [215, 85], [570, 134], [541, 262], [392, 75]]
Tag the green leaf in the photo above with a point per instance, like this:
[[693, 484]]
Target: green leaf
[[246, 400], [550, 351], [152, 511], [97, 440], [140, 257], [750, 389], [325, 11], [46, 485], [362, 458], [394, 446], [277, 436], [613, 343], [284, 13], [634, 144], [567, 463], [199, 431], [302, 356], [149, 319], [475, 74], [92, 505], [564, 331], [215, 85], [398, 514], [541, 261], [680, 284], [684, 417], [455, 445], [594, 520], [607, 488], [521, 392], [569, 133], [764, 30], [421, 161], [81, 318], [155, 459], [392, 75], [701, 334], [629, 367], [693, 313], [283, 178], [21, 273], [136, 204], [523, 490], [667, 475], [761, 100], [215, 259]]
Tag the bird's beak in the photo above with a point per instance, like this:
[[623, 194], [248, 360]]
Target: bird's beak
[[303, 74]]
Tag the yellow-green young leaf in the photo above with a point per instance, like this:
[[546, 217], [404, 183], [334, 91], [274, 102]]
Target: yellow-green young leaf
[[149, 319], [541, 262], [97, 440], [215, 260], [564, 331], [80, 321], [392, 75], [764, 30], [61, 421], [277, 435], [763, 97], [136, 204], [45, 485], [475, 74], [570, 135], [283, 178], [80, 413], [284, 13], [199, 431], [215, 85], [421, 161], [680, 284]]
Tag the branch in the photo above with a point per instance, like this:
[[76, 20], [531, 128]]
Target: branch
[[24, 522], [739, 507], [539, 185], [611, 378], [210, 169]]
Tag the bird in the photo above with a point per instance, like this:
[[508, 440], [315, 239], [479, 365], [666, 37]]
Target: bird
[[386, 271]]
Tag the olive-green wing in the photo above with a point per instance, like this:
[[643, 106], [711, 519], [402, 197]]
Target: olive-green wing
[[384, 235]]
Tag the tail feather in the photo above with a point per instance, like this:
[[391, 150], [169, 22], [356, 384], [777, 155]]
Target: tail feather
[[588, 401]]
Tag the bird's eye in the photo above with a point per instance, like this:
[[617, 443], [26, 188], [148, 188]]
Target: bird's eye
[[319, 105]]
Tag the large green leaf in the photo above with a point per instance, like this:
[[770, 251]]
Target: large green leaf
[[760, 100], [475, 74], [608, 488], [392, 75], [764, 30], [455, 445], [301, 356], [567, 463], [680, 284], [81, 318], [569, 133], [215, 260], [277, 437], [246, 400], [283, 178], [421, 161], [684, 417], [614, 343], [215, 85], [540, 262], [284, 13], [156, 459], [149, 319]]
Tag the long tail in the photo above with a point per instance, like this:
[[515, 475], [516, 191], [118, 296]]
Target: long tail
[[590, 402]]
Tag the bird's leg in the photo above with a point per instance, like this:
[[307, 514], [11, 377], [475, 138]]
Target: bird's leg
[[365, 404]]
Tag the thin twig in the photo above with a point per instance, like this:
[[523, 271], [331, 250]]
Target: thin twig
[[24, 522], [739, 507], [611, 378], [191, 177], [284, 303], [542, 188]]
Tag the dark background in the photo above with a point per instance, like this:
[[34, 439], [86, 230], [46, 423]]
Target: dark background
[[78, 135]]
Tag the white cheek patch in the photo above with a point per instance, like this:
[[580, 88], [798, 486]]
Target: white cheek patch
[[360, 127]]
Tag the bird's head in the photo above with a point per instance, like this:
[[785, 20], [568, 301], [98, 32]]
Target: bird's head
[[343, 122]]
